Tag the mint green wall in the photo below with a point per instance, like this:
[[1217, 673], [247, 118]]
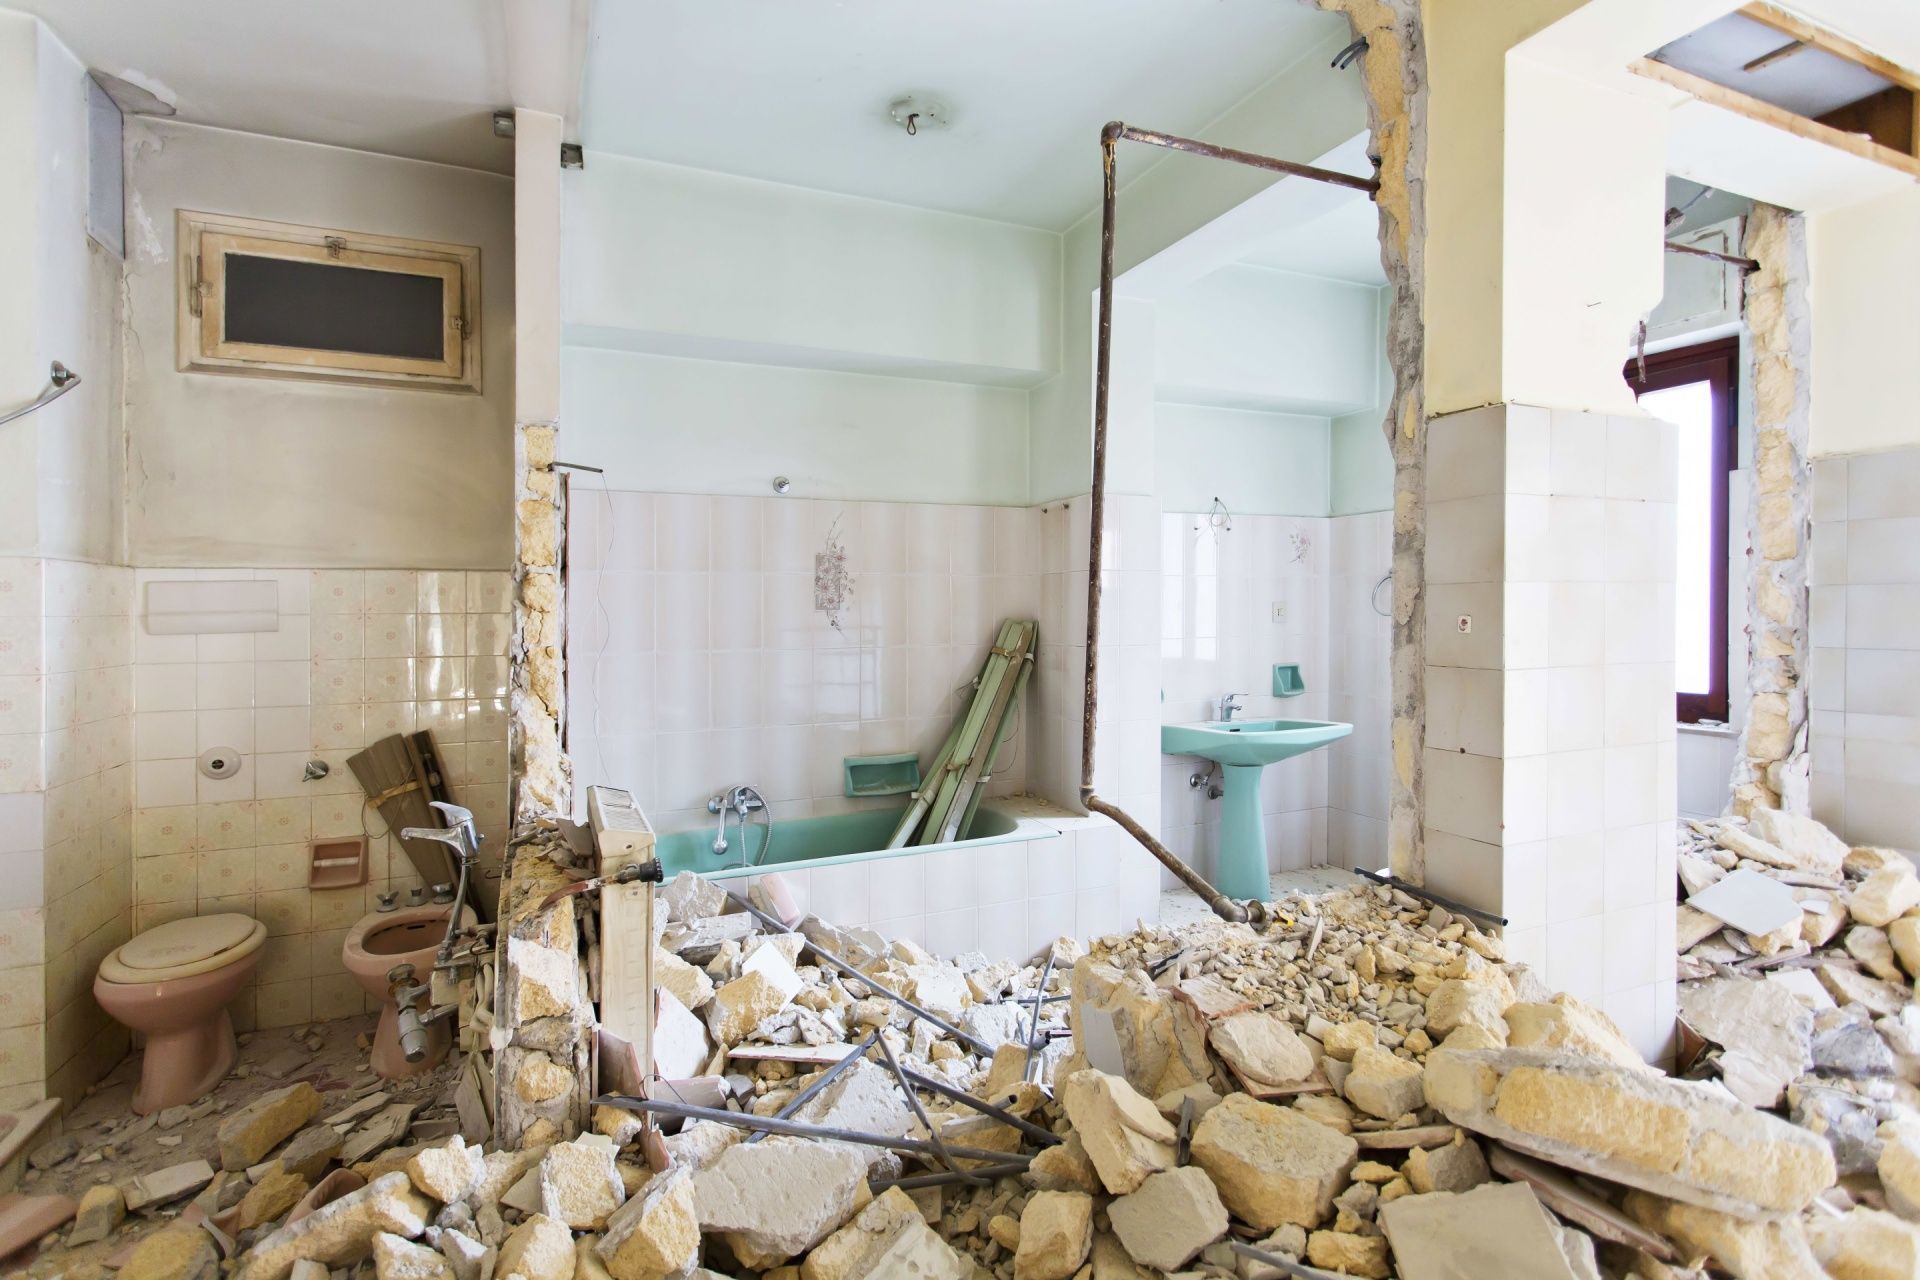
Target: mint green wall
[[1272, 464], [1360, 471]]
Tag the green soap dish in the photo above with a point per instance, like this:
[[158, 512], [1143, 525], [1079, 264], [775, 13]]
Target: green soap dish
[[1287, 680], [882, 775]]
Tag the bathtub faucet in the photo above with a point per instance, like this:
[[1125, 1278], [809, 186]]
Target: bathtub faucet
[[741, 801]]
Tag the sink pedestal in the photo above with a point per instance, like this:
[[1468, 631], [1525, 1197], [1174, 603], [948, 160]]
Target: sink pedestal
[[1242, 870]]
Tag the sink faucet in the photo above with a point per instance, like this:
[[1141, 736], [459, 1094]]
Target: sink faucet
[[1230, 703]]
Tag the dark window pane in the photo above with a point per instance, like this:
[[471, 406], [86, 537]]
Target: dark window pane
[[279, 302]]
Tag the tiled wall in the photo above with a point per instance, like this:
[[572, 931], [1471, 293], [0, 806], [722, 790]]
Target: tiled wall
[[65, 795], [697, 657], [1359, 654], [1864, 684], [1550, 754], [1221, 584], [357, 655], [1073, 875]]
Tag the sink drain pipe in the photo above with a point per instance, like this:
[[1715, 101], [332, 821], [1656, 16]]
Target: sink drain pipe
[[1226, 908]]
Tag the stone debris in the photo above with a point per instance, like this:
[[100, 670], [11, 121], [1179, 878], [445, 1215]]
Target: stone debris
[[263, 1124], [1352, 1089], [165, 1185]]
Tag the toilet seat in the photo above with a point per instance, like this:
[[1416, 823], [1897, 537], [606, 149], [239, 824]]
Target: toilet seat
[[183, 948]]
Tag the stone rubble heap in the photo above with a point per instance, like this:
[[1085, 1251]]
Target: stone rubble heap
[[1366, 1089], [1814, 1019]]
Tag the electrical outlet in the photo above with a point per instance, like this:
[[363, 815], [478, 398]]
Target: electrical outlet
[[1279, 610], [1465, 624]]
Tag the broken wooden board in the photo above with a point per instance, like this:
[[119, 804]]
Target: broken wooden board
[[1571, 1201], [823, 1055]]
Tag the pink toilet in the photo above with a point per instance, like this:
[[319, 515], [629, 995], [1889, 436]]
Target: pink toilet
[[172, 984], [377, 945]]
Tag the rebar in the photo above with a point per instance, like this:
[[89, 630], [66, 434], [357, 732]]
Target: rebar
[[979, 1046], [826, 1078], [1287, 1265], [920, 1114], [1044, 1136], [942, 1179], [789, 1128]]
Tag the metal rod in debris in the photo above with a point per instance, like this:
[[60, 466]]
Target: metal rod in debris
[[1044, 1136], [1287, 1265], [788, 1128], [826, 1078], [942, 1179], [920, 1114], [1428, 895], [1033, 1027], [979, 1046]]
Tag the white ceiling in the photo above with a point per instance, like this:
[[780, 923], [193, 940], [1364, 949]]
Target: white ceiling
[[796, 91], [417, 78]]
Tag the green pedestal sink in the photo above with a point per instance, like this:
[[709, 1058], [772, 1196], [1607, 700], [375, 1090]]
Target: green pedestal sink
[[1242, 748]]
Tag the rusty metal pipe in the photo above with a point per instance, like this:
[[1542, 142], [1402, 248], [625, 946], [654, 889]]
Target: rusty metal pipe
[[1226, 908], [1692, 251]]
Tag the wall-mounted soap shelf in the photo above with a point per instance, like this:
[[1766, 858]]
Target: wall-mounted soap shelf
[[882, 775], [337, 864], [1287, 680]]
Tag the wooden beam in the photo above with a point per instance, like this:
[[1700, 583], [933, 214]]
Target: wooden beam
[[1778, 117], [1800, 29]]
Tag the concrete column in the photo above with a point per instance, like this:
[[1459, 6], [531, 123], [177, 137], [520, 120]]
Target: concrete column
[[1549, 754]]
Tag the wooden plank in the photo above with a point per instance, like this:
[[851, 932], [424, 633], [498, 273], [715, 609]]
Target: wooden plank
[[1777, 117], [1800, 29], [621, 835]]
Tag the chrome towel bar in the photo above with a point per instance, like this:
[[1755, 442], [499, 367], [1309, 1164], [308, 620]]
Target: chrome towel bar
[[60, 380]]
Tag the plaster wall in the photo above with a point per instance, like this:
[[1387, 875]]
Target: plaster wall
[[235, 470], [1256, 463], [1863, 286]]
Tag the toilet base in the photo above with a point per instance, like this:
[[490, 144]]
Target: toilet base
[[390, 1063], [177, 1067]]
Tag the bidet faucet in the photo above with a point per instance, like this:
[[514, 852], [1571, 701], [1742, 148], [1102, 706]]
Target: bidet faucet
[[1230, 703]]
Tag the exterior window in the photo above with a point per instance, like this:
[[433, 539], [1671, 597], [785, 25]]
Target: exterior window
[[278, 300], [1693, 388]]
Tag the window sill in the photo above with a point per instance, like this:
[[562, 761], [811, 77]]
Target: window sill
[[1709, 730]]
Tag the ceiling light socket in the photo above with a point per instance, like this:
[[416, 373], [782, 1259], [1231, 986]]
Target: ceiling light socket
[[916, 113]]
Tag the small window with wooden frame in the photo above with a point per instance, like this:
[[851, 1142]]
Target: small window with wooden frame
[[273, 299]]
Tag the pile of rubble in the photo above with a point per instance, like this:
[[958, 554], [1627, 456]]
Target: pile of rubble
[[1366, 1089], [1798, 956]]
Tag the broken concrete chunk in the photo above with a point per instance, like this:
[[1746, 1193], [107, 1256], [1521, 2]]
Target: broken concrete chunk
[[1056, 1231], [1125, 1136], [1272, 1165], [689, 897], [655, 1232], [1850, 986], [101, 1211], [538, 1249], [312, 1151], [263, 1124], [1262, 1047], [1899, 1166], [1904, 936], [778, 1197], [1772, 1250], [1343, 1039], [1212, 998], [866, 1098], [501, 1170], [270, 1199], [397, 1259], [1459, 1002], [1384, 1085], [1349, 1253], [447, 1173], [1804, 840], [1124, 1025], [469, 1258], [342, 1230], [579, 1185], [738, 1006], [177, 1253], [1689, 1141], [1865, 1244], [1500, 1226], [1065, 1167], [886, 1238], [1765, 1033], [164, 1185], [1571, 1024], [1886, 895], [1456, 1167], [690, 986], [1172, 1217]]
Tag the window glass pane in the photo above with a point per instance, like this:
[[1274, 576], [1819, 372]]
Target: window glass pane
[[278, 302], [1690, 408]]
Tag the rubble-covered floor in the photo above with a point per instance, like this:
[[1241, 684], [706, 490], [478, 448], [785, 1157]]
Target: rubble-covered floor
[[102, 1142], [1183, 906]]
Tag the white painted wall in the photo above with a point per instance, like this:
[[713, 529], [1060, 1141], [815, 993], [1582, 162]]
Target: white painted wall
[[1257, 463], [1306, 110], [1863, 270], [1251, 337], [674, 425], [233, 470], [686, 262]]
